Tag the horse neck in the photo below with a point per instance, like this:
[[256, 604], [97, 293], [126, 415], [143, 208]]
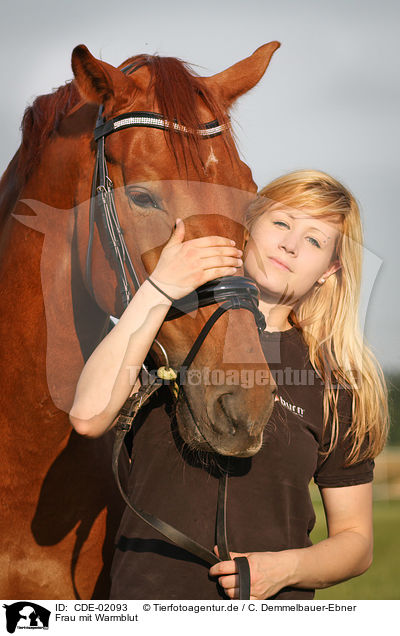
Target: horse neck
[[10, 186], [41, 330]]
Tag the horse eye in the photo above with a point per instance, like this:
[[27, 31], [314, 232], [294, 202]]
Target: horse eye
[[142, 199]]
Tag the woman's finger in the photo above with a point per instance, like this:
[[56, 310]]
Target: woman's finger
[[223, 250], [221, 261], [229, 582], [233, 592], [178, 234], [211, 241], [210, 274], [223, 568]]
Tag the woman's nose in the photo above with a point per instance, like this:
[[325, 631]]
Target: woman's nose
[[289, 243]]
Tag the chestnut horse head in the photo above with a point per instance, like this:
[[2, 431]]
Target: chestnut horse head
[[61, 283], [159, 175]]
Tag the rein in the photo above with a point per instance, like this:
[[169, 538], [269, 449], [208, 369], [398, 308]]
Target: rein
[[230, 292]]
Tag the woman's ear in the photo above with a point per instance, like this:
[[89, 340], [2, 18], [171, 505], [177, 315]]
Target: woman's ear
[[335, 266], [246, 238]]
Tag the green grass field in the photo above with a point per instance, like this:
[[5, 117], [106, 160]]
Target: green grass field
[[382, 580]]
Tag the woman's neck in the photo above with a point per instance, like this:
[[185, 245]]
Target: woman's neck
[[276, 315]]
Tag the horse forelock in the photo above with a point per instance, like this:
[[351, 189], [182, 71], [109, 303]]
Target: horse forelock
[[179, 93], [177, 89]]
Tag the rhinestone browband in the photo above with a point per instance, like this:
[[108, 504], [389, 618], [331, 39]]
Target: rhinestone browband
[[155, 120]]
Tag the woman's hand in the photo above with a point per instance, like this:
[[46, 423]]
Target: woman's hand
[[269, 573], [184, 266]]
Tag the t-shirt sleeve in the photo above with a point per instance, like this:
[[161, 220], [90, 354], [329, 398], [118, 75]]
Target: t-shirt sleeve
[[331, 471]]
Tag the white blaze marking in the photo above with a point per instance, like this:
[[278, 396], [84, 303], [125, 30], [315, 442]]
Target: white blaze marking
[[211, 159]]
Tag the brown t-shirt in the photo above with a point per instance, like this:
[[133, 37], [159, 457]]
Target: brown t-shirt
[[269, 506]]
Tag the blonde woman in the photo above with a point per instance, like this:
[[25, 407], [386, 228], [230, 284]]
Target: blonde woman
[[305, 252], [328, 423]]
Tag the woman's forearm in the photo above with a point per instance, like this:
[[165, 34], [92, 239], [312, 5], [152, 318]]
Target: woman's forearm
[[112, 369], [336, 559]]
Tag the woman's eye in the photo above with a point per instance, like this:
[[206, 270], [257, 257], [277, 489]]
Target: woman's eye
[[142, 199], [281, 224], [313, 241]]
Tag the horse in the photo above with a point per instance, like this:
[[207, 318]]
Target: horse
[[59, 279]]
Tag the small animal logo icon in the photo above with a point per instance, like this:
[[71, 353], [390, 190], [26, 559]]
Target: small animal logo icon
[[26, 615]]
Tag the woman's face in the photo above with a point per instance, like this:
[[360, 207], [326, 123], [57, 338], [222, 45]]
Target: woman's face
[[289, 251]]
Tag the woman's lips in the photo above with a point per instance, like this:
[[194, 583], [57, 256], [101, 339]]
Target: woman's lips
[[279, 264]]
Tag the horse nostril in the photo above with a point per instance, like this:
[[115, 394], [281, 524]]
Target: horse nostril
[[223, 404]]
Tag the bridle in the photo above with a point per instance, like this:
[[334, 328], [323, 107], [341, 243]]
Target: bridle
[[102, 195], [230, 292]]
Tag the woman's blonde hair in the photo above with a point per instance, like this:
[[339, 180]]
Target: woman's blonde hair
[[328, 315]]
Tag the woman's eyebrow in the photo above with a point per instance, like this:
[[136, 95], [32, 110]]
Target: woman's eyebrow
[[294, 217], [317, 229]]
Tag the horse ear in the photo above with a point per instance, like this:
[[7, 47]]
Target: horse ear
[[241, 77], [98, 81]]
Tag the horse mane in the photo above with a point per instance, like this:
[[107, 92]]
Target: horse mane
[[176, 90], [40, 121]]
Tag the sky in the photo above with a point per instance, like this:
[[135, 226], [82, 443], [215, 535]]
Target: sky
[[330, 99]]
